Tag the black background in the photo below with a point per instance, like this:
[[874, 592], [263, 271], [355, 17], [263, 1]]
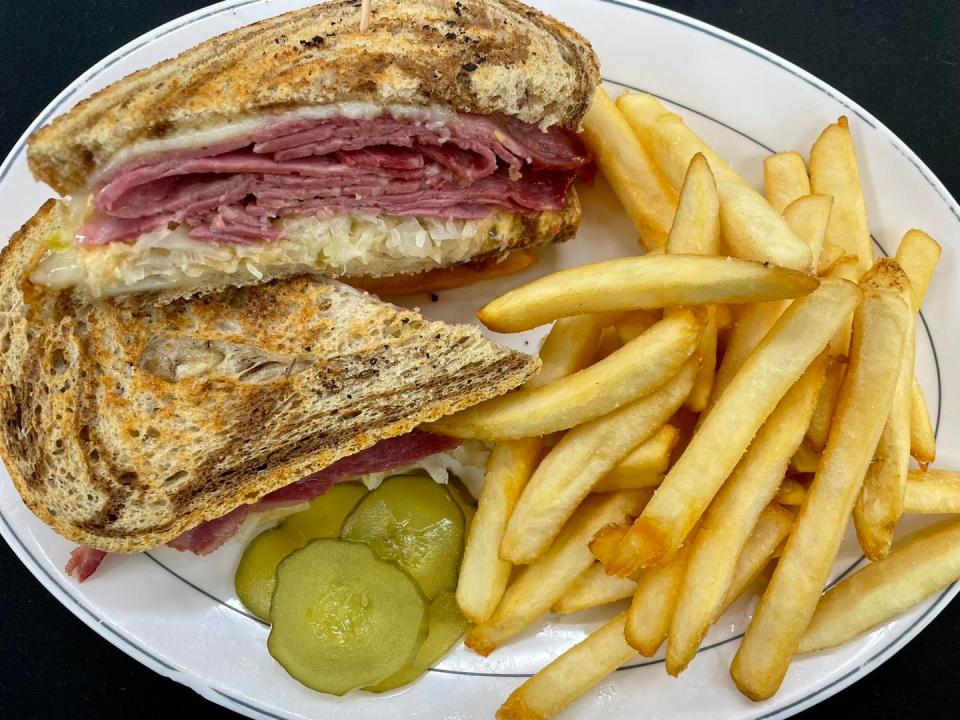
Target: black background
[[900, 60]]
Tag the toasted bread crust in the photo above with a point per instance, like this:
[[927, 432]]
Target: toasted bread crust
[[479, 56], [122, 426]]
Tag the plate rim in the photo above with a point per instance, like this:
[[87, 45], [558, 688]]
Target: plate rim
[[209, 691]]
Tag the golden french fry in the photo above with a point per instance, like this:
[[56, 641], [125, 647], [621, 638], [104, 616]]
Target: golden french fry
[[696, 225], [880, 505], [648, 281], [644, 466], [733, 514], [932, 492], [918, 255], [592, 589], [918, 567], [846, 268], [826, 404], [929, 492], [635, 370], [923, 443], [483, 574], [785, 179], [880, 327], [571, 345], [808, 217], [696, 231], [751, 228], [654, 600], [540, 585], [805, 459], [570, 675], [834, 171], [645, 194], [792, 493], [584, 455], [606, 541], [764, 544], [830, 256], [753, 323], [795, 340], [636, 323]]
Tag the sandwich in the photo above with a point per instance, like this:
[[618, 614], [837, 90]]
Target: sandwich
[[440, 137], [126, 426], [182, 344]]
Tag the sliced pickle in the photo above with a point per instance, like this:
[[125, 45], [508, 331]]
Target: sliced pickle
[[343, 618], [447, 626], [256, 572], [412, 520]]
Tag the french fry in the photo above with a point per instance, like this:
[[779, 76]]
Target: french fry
[[923, 443], [724, 318], [929, 492], [749, 329], [880, 505], [918, 567], [584, 455], [834, 171], [696, 225], [751, 228], [805, 459], [791, 493], [808, 217], [784, 179], [606, 541], [636, 323], [592, 589], [446, 278], [571, 345], [795, 340], [932, 492], [734, 512], [648, 281], [696, 231], [654, 600], [846, 268], [644, 466], [483, 575], [764, 544], [635, 370], [645, 194], [540, 585], [826, 404], [880, 327], [918, 255], [570, 675]]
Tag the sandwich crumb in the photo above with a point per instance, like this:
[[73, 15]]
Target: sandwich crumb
[[434, 297]]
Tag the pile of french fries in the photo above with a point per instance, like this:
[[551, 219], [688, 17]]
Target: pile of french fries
[[720, 405]]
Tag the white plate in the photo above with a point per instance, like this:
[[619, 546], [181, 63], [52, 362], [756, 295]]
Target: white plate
[[178, 614]]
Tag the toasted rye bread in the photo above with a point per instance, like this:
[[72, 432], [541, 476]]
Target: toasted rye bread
[[125, 425], [480, 56]]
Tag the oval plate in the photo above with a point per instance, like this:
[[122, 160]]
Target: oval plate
[[178, 614]]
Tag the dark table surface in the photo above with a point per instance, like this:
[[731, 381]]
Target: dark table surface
[[900, 60]]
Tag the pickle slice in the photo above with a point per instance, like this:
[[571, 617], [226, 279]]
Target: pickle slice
[[342, 618], [255, 577], [413, 521], [447, 626]]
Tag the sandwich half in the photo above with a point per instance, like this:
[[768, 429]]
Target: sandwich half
[[441, 136], [129, 425]]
